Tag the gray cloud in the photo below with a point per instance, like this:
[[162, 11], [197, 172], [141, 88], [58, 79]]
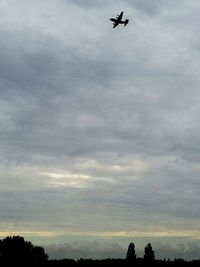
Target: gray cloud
[[99, 125], [187, 251], [92, 249], [102, 250]]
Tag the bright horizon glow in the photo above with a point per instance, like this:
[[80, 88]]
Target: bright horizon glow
[[135, 234]]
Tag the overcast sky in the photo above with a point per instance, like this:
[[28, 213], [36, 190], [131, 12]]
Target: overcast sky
[[100, 127]]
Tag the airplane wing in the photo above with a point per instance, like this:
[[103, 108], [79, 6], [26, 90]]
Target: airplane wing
[[115, 24], [119, 17]]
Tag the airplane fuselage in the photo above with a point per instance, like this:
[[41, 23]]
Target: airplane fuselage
[[118, 21]]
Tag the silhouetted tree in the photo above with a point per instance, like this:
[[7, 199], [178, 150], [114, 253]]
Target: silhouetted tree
[[149, 253], [16, 249], [131, 256]]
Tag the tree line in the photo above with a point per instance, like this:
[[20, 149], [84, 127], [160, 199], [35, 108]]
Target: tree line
[[14, 250]]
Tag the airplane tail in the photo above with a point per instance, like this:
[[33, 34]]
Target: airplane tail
[[126, 22]]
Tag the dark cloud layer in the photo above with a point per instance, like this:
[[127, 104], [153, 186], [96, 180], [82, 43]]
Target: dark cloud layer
[[102, 250], [99, 125]]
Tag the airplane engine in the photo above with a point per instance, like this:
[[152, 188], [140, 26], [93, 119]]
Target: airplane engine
[[126, 22]]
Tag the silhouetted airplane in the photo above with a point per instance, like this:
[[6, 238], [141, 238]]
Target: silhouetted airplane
[[119, 20]]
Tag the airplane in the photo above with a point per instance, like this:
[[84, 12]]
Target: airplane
[[119, 20]]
